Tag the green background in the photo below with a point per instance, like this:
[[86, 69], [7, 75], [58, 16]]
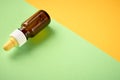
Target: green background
[[54, 54]]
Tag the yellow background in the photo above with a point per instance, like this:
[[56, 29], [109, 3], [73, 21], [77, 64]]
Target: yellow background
[[98, 21]]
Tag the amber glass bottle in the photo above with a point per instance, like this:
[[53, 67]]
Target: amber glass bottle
[[35, 23], [31, 27]]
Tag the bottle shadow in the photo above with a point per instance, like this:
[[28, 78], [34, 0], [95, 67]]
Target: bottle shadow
[[32, 43]]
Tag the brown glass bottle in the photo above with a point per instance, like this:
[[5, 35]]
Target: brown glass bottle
[[31, 27], [35, 23]]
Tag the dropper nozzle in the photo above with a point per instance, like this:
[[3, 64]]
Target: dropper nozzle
[[10, 44]]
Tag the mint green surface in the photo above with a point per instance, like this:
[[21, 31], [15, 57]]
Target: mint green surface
[[54, 54]]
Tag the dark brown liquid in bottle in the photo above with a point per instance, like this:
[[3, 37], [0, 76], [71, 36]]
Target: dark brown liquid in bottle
[[35, 23]]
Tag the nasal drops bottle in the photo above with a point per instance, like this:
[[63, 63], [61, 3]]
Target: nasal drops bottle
[[31, 27]]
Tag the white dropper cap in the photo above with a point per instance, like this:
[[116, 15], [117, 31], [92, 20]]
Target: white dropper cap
[[17, 38]]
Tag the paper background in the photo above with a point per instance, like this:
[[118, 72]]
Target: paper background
[[56, 53]]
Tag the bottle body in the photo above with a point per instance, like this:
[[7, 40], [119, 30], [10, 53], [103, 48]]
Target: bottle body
[[35, 23]]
